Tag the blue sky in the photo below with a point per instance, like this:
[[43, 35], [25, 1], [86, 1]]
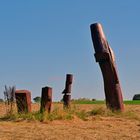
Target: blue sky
[[42, 41]]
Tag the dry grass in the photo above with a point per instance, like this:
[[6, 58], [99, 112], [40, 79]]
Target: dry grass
[[89, 122]]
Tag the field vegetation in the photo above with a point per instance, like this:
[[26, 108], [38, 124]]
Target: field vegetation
[[89, 101], [85, 120]]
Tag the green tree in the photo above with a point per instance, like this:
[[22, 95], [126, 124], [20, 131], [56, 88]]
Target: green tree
[[1, 100], [37, 99]]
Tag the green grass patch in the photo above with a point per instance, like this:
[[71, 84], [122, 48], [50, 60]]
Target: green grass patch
[[132, 102], [117, 114]]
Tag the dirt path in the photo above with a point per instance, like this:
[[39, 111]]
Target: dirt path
[[98, 128]]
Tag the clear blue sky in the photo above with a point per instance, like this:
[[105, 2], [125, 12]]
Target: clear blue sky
[[42, 41]]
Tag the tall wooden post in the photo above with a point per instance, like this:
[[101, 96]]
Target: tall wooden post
[[23, 100], [67, 91], [46, 99], [105, 57]]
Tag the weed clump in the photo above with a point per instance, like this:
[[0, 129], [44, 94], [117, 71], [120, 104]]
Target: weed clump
[[9, 99]]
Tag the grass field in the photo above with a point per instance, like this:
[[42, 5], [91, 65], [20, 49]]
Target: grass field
[[129, 102], [85, 121]]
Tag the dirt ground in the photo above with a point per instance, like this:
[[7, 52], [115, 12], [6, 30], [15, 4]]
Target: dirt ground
[[95, 128]]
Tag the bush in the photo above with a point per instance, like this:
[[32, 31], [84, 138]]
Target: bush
[[1, 100], [136, 97], [37, 99]]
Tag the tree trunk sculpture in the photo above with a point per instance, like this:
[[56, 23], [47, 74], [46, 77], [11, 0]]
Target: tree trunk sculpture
[[67, 91], [105, 57]]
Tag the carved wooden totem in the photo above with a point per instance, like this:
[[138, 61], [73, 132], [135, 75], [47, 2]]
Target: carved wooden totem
[[105, 57]]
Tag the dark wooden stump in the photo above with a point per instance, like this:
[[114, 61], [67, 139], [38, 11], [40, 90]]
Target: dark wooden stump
[[23, 100], [66, 100], [105, 56], [67, 91], [46, 100]]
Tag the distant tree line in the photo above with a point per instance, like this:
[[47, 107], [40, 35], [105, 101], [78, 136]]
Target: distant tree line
[[83, 99]]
